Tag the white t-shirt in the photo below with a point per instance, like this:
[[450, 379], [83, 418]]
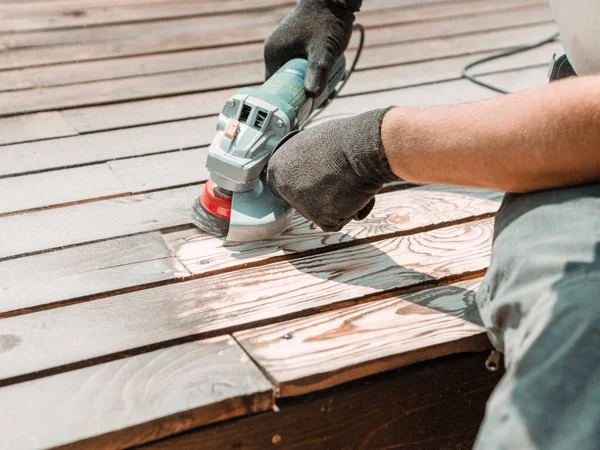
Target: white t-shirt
[[579, 25]]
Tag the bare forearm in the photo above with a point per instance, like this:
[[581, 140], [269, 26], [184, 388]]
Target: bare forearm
[[542, 138]]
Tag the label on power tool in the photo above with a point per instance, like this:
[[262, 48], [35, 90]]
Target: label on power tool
[[305, 111]]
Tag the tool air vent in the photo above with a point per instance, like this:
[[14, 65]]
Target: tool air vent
[[261, 116]]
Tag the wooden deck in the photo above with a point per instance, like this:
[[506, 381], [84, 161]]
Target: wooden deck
[[121, 324]]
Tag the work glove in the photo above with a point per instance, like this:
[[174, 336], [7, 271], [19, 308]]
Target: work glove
[[331, 173], [317, 30]]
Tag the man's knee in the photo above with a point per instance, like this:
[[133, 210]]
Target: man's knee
[[540, 239]]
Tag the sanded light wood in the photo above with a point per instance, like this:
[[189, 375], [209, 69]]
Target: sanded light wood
[[171, 62], [241, 299], [33, 127], [65, 186], [78, 272], [323, 350], [200, 79], [89, 270], [102, 147], [395, 212], [520, 80], [135, 400]]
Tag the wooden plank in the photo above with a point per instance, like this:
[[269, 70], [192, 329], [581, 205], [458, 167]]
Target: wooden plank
[[47, 20], [98, 118], [101, 147], [406, 212], [55, 188], [19, 159], [95, 269], [135, 400], [20, 8], [170, 62], [447, 69], [111, 218], [519, 80], [332, 348], [33, 127], [91, 272], [102, 92], [429, 406], [143, 30], [140, 321], [160, 171], [43, 230], [29, 57]]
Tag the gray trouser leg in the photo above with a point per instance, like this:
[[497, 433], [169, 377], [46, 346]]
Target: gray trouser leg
[[540, 301]]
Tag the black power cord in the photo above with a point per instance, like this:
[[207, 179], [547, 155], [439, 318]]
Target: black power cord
[[504, 54]]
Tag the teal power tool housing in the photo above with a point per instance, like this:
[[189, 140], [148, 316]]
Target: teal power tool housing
[[236, 200]]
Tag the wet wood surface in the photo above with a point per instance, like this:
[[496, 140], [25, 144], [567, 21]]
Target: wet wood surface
[[122, 324]]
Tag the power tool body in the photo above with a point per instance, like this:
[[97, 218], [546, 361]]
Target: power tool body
[[236, 200]]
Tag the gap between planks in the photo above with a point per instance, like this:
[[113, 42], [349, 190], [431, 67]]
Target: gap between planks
[[199, 255], [228, 303]]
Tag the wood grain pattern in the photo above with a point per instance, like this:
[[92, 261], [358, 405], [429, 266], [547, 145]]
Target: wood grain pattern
[[78, 272], [33, 127], [55, 188], [170, 62], [135, 400], [160, 171], [102, 147], [107, 117], [228, 302], [89, 270], [395, 212], [30, 57], [198, 80], [429, 406], [95, 221], [46, 20], [324, 350]]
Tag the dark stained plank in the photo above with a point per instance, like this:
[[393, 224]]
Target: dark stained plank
[[77, 272], [102, 92], [189, 26], [128, 215], [407, 211], [324, 350], [55, 188], [33, 127], [107, 117], [135, 400], [102, 147], [139, 321], [436, 405], [170, 62], [30, 57], [159, 171], [47, 20], [42, 230]]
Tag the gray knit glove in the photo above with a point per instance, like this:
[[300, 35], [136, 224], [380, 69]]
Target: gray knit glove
[[331, 173], [317, 30]]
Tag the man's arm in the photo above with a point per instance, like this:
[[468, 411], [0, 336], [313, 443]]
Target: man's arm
[[542, 138]]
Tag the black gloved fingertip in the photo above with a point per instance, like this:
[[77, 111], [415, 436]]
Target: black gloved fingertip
[[363, 213]]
